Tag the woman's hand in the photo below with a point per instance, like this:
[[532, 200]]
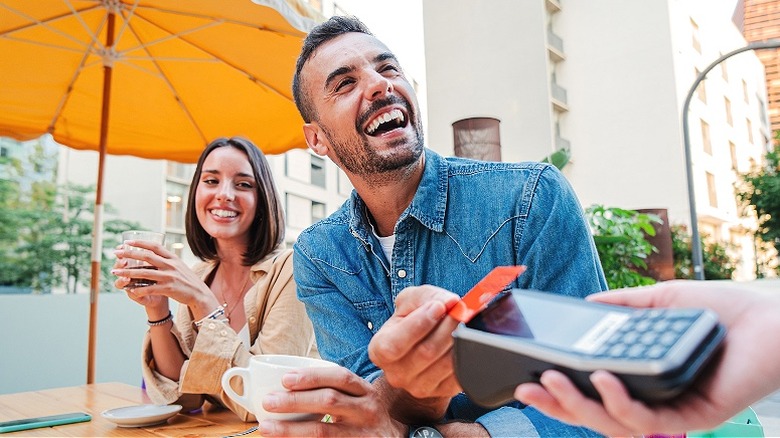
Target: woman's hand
[[173, 279]]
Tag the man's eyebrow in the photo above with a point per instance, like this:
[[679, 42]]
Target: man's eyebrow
[[337, 72], [384, 56]]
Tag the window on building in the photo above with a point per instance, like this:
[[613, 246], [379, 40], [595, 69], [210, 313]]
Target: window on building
[[317, 211], [705, 137], [701, 89], [745, 93], [297, 165], [3, 152], [727, 104], [713, 196], [749, 130], [175, 205], [302, 212], [734, 160], [761, 108], [175, 242], [180, 170], [695, 36], [317, 171]]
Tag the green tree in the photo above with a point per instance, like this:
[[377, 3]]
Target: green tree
[[14, 216], [46, 231], [718, 264], [760, 189], [620, 240], [58, 244]]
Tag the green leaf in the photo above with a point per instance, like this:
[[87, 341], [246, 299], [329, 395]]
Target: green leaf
[[559, 158]]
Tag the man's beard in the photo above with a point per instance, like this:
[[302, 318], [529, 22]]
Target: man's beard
[[357, 157]]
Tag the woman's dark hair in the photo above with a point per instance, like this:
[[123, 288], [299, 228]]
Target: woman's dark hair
[[267, 230], [320, 34]]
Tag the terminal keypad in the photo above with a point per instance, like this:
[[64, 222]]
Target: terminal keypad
[[648, 334]]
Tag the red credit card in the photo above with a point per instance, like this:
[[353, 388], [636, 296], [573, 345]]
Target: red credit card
[[480, 295]]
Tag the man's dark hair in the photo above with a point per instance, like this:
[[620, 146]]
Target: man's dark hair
[[320, 34], [267, 229]]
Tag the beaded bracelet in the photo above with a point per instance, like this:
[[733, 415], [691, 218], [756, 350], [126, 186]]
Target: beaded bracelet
[[162, 321]]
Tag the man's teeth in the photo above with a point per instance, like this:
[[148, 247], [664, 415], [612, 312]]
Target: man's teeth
[[386, 117], [224, 213]]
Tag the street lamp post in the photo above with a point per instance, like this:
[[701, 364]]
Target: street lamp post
[[696, 255]]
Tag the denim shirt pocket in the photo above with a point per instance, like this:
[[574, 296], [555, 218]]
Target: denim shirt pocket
[[374, 313]]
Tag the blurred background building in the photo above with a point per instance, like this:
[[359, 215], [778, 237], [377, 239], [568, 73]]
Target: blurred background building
[[759, 20], [607, 80]]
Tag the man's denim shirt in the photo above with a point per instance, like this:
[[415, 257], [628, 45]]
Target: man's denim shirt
[[466, 218]]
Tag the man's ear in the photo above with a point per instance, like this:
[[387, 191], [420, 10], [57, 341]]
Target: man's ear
[[314, 138]]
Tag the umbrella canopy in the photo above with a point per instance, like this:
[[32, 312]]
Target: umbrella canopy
[[183, 73], [149, 78]]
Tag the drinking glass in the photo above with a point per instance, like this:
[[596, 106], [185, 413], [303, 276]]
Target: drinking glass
[[148, 236]]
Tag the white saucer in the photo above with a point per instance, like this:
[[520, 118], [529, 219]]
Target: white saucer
[[141, 415]]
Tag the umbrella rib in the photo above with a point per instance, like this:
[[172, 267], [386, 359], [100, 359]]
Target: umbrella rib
[[77, 15], [226, 20], [222, 60], [42, 44], [170, 36], [170, 85], [43, 22], [126, 24], [76, 73]]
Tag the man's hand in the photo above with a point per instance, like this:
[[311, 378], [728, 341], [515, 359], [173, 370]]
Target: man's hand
[[413, 348], [354, 405]]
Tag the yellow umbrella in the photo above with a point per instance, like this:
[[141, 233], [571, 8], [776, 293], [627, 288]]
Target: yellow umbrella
[[149, 78]]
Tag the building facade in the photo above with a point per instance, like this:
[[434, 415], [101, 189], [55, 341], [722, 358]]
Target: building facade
[[607, 79], [759, 20]]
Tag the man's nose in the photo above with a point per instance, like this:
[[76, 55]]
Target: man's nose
[[379, 86]]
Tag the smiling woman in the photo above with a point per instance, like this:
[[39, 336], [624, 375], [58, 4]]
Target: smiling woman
[[239, 302]]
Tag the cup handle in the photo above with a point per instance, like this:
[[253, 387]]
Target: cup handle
[[242, 373]]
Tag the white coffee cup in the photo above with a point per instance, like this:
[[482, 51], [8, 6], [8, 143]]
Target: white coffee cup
[[263, 375]]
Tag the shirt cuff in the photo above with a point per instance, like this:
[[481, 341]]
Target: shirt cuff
[[548, 426], [508, 422], [212, 355]]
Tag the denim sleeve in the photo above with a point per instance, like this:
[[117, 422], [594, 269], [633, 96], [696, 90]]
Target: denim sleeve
[[512, 420], [529, 422], [556, 236], [342, 336]]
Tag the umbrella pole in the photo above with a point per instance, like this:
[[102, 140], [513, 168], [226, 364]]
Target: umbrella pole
[[97, 228]]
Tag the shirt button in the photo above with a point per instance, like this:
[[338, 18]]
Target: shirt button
[[401, 273], [212, 326], [370, 325], [223, 333], [252, 319]]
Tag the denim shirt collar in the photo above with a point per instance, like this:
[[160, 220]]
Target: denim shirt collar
[[428, 206]]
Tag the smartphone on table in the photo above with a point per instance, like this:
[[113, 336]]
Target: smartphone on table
[[656, 353], [47, 421]]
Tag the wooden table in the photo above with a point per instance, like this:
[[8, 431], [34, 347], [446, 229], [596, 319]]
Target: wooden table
[[96, 398]]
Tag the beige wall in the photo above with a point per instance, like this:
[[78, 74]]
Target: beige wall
[[489, 62], [627, 69]]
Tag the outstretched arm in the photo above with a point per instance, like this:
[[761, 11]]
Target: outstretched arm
[[743, 372]]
